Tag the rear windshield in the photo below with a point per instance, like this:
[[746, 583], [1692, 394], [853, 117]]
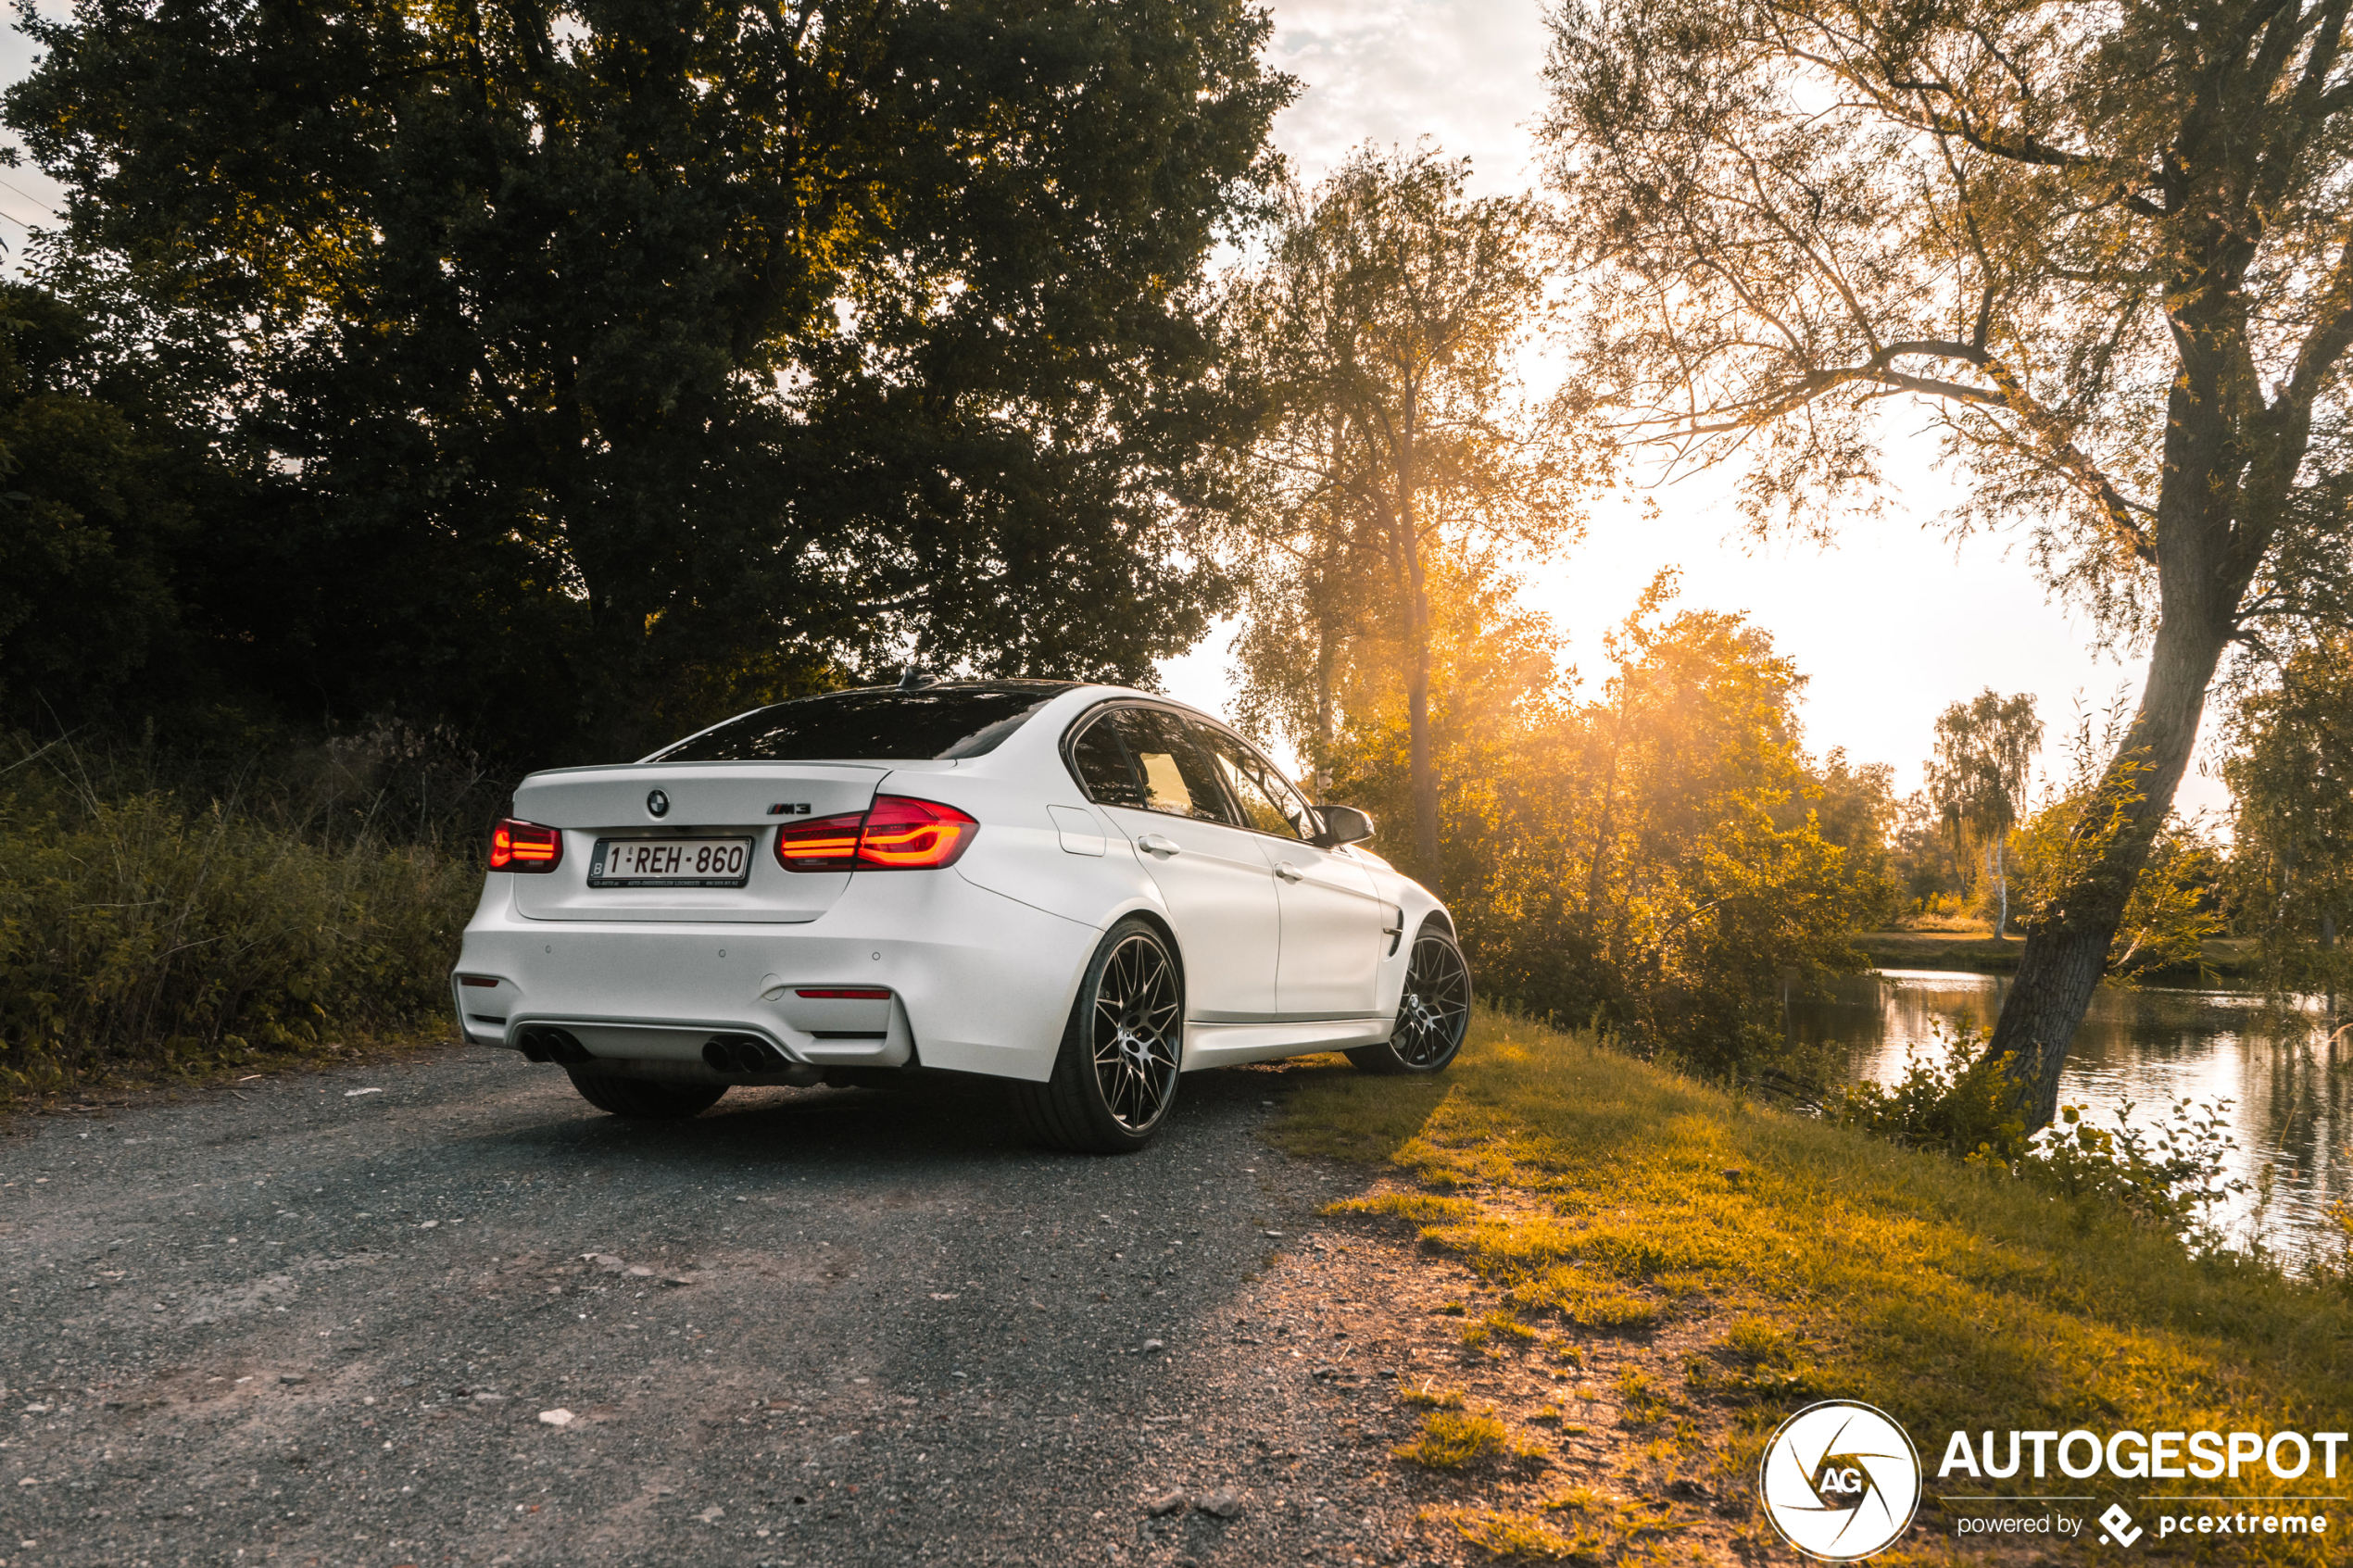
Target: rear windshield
[[886, 725]]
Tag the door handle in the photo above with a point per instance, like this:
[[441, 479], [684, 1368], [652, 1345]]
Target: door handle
[[1157, 845], [1288, 872]]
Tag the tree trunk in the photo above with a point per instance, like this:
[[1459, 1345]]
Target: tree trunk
[[2067, 941], [2001, 890]]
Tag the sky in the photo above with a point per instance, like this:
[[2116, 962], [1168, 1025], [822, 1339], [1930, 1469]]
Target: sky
[[1891, 625]]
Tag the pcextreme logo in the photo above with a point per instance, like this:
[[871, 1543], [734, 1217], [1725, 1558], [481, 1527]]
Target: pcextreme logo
[[1840, 1480]]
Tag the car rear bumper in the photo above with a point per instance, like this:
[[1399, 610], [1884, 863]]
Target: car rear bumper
[[976, 982]]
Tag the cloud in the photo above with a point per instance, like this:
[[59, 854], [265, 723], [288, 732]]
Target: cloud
[[1467, 74]]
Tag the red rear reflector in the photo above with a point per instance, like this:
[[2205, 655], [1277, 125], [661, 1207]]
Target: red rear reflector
[[839, 995], [896, 834], [526, 847], [475, 980]]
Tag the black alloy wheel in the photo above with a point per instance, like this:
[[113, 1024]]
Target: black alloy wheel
[[1115, 1076], [1432, 1014]]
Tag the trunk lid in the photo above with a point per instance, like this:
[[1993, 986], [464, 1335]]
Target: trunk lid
[[701, 800]]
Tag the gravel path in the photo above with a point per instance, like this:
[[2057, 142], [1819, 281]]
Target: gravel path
[[439, 1310]]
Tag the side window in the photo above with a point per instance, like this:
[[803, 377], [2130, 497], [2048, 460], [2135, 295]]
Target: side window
[[1176, 777], [1271, 805], [1103, 767]]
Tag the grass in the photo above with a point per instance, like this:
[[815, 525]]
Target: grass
[[147, 939], [1836, 1265], [1457, 1439]]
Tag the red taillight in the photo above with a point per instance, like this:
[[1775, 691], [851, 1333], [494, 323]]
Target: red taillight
[[848, 994], [821, 844], [897, 833], [904, 835], [526, 847]]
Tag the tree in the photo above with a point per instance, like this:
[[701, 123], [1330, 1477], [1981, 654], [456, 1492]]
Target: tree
[[1382, 332], [2177, 900], [2290, 769], [98, 498], [1659, 860], [607, 358], [1978, 780], [2106, 247]]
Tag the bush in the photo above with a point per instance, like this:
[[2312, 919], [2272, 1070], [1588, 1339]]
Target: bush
[[1951, 1099], [1955, 1100], [142, 934]]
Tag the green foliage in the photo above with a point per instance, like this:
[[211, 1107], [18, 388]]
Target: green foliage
[[2173, 904], [2174, 1174], [1952, 1098], [1957, 1100], [1383, 332], [1663, 859], [1977, 782], [2101, 250], [96, 506], [596, 366], [2290, 769], [143, 934]]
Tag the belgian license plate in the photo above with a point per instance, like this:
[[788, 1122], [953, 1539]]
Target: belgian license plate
[[670, 862]]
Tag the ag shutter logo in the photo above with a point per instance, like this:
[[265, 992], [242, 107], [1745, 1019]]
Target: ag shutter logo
[[1839, 1481]]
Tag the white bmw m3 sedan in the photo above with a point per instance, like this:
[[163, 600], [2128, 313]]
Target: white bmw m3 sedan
[[1083, 890]]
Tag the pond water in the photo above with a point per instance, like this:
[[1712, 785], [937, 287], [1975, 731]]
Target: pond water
[[2291, 1095]]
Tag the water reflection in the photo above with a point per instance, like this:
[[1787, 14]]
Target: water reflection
[[2292, 1105]]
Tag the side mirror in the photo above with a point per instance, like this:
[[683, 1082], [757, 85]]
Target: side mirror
[[1343, 824]]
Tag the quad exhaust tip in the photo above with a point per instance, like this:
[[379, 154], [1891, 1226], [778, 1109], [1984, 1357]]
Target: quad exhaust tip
[[744, 1054]]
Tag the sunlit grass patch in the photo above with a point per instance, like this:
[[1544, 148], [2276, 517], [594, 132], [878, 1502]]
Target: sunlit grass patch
[[1425, 1398], [1598, 1304], [1424, 1207], [1455, 1439], [1759, 1341], [1839, 1264]]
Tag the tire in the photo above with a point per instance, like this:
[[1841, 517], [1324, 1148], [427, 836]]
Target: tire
[[1432, 1013], [647, 1099], [1115, 1075]]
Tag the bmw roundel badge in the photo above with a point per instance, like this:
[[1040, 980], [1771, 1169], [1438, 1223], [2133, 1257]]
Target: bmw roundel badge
[[657, 803]]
